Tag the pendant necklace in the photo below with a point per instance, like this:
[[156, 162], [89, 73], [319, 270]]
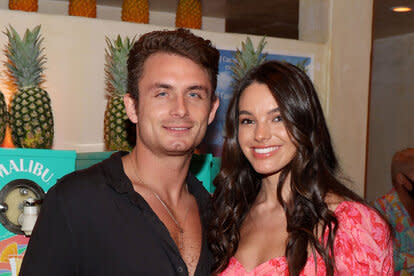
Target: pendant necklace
[[170, 214]]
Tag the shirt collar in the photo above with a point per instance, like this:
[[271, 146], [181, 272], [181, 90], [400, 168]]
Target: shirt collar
[[115, 174], [119, 181]]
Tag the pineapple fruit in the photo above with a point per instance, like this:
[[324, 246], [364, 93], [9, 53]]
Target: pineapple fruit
[[23, 5], [188, 14], [3, 117], [85, 8], [247, 58], [31, 118], [119, 131], [135, 11]]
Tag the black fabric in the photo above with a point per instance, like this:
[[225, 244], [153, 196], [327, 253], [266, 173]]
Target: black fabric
[[92, 222]]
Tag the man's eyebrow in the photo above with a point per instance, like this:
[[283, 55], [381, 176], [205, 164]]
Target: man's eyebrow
[[161, 85], [198, 87]]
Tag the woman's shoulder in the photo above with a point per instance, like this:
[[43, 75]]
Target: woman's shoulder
[[363, 240], [358, 213], [361, 224]]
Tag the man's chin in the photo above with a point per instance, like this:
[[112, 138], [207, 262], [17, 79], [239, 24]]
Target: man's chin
[[180, 150]]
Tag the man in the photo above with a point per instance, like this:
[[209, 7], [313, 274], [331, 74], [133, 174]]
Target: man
[[140, 213], [398, 207]]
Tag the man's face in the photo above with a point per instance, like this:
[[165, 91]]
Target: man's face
[[174, 106]]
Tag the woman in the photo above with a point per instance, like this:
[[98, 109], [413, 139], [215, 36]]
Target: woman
[[279, 206]]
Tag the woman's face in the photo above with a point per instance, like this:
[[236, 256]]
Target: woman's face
[[262, 136]]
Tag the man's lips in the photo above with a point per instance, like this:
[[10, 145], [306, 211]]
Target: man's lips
[[177, 128]]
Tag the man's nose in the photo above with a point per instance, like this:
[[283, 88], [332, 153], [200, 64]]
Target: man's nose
[[180, 107]]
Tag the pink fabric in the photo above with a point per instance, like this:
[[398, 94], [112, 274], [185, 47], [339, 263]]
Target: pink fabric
[[362, 247]]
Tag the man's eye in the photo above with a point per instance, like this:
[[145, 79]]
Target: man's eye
[[194, 95], [161, 94]]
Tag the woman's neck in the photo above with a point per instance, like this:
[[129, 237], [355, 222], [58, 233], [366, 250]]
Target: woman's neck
[[268, 190]]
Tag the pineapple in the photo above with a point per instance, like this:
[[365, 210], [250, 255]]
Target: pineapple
[[3, 117], [119, 131], [23, 5], [135, 11], [31, 119], [247, 58], [85, 8], [188, 14]]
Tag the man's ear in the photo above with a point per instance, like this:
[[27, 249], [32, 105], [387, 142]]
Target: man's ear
[[131, 108], [214, 106], [405, 182]]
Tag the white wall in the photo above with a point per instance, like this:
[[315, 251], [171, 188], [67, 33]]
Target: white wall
[[114, 13], [345, 28], [391, 124], [74, 47]]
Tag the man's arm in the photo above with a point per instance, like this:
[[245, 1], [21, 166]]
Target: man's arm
[[51, 249]]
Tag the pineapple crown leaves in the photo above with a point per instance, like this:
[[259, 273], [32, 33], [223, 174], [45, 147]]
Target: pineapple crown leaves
[[116, 70], [247, 58], [25, 57]]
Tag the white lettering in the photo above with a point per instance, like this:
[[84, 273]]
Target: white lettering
[[30, 166], [44, 176], [38, 169], [22, 165], [34, 167], [3, 170], [13, 166]]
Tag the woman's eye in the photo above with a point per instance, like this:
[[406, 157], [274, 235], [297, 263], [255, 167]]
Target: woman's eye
[[277, 119], [246, 121]]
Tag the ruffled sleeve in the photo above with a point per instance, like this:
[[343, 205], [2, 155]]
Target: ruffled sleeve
[[363, 245]]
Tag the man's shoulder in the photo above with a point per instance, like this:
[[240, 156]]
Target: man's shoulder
[[89, 179]]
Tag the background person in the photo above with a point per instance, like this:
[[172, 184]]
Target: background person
[[398, 207]]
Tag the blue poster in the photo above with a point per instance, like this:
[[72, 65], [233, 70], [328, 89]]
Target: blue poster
[[214, 139]]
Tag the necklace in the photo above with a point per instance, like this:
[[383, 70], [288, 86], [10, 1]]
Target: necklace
[[170, 214]]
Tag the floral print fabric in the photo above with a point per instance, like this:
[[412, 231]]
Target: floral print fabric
[[392, 208], [362, 246]]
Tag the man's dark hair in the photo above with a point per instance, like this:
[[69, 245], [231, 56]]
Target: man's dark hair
[[178, 42]]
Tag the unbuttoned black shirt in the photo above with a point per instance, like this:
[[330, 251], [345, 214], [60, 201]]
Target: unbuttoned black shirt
[[92, 222]]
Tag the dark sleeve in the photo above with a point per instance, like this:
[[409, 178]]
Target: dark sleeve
[[51, 249]]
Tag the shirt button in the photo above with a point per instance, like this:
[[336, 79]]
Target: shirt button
[[180, 269]]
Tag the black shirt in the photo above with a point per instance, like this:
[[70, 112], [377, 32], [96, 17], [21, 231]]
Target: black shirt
[[92, 222]]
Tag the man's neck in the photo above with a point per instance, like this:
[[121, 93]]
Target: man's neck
[[164, 175]]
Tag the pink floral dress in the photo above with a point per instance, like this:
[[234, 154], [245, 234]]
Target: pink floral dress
[[362, 247]]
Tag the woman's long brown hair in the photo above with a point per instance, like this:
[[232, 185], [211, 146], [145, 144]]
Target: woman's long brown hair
[[314, 172]]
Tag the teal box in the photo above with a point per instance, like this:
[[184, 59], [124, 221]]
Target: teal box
[[86, 159], [204, 167], [41, 166]]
